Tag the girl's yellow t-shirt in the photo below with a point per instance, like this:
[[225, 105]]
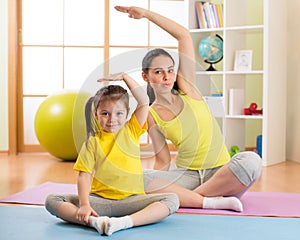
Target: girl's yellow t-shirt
[[114, 161]]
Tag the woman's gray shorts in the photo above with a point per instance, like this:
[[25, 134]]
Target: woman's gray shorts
[[246, 166]]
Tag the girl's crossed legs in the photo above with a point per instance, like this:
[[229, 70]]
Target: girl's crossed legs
[[115, 215]]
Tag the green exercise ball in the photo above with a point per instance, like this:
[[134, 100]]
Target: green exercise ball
[[60, 124]]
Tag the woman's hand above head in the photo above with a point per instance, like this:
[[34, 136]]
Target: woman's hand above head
[[133, 12], [186, 76]]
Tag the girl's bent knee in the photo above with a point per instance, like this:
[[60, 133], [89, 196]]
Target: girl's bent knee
[[171, 201], [52, 203]]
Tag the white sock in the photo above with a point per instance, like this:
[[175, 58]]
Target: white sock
[[98, 223], [115, 224], [231, 203]]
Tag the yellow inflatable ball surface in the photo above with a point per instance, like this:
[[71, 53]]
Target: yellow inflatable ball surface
[[60, 124]]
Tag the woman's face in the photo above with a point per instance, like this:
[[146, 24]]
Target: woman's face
[[161, 74], [111, 115]]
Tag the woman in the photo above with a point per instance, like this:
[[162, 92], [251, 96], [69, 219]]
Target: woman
[[205, 176]]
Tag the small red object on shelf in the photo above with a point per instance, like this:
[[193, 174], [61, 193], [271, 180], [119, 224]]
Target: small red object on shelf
[[252, 110]]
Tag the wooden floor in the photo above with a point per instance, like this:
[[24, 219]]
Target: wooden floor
[[23, 171]]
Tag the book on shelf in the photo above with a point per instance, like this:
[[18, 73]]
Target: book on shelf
[[201, 19], [209, 15], [220, 14]]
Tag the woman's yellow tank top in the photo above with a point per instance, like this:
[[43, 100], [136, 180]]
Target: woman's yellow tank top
[[196, 136]]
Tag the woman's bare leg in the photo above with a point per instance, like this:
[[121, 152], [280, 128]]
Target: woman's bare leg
[[186, 197], [194, 199], [222, 183]]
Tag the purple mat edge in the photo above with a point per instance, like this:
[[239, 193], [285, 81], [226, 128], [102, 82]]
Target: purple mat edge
[[44, 189], [275, 204]]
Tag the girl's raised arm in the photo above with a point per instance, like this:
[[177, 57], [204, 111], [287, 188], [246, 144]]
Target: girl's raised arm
[[141, 111]]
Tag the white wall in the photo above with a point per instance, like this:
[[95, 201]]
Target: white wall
[[3, 78], [293, 84], [293, 81]]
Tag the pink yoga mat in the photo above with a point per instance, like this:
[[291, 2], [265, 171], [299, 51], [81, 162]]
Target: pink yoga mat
[[37, 195], [271, 204]]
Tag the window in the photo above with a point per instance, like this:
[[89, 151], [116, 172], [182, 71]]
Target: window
[[64, 41]]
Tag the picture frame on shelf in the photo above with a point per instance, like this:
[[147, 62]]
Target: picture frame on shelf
[[243, 60]]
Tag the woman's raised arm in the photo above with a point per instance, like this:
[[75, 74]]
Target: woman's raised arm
[[186, 75]]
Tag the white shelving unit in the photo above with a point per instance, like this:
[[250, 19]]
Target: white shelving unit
[[257, 25]]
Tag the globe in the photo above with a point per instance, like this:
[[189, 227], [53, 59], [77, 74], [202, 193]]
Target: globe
[[211, 50]]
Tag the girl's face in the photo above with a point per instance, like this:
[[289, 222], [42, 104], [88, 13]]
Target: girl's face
[[161, 74], [111, 115]]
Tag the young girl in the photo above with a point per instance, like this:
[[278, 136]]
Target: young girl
[[110, 182], [179, 114]]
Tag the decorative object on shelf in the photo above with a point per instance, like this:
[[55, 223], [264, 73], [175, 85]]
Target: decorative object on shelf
[[259, 145], [211, 50], [236, 101], [243, 60], [252, 110], [215, 105], [216, 94], [234, 150]]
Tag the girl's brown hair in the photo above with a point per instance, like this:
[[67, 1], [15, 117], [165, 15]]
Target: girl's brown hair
[[108, 93]]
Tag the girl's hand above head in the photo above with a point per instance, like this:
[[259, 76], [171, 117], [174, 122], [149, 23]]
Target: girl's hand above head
[[133, 12], [113, 77]]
